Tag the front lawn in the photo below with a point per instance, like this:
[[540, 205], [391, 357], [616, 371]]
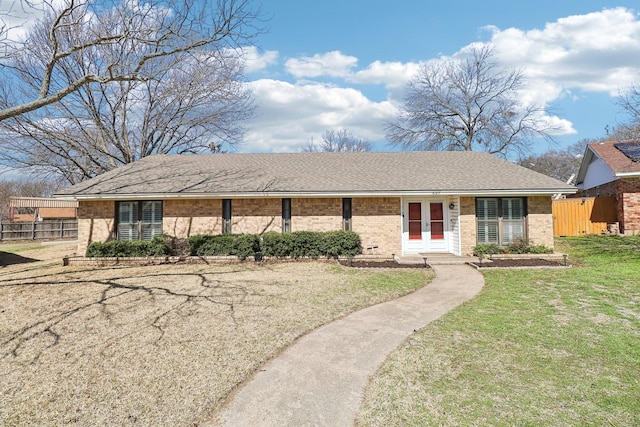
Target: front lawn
[[156, 345], [536, 347]]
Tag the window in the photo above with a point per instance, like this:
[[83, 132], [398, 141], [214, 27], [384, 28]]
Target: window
[[286, 215], [226, 216], [139, 220], [346, 214], [500, 220]]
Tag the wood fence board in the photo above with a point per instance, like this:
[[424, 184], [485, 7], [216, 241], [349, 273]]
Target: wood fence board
[[577, 217]]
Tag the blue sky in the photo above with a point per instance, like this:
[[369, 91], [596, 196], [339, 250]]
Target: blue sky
[[343, 64]]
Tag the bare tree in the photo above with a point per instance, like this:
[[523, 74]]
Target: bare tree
[[196, 104], [190, 100], [338, 141], [145, 33], [559, 164], [469, 105]]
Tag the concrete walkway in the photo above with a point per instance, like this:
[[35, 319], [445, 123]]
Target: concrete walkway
[[320, 380]]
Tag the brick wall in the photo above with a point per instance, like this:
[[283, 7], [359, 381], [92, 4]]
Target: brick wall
[[187, 217], [378, 220], [96, 222], [468, 224], [540, 220]]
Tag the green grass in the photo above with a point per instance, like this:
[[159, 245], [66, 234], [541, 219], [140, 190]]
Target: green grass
[[536, 347]]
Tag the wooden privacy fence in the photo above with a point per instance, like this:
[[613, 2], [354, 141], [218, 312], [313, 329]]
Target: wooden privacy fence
[[55, 229], [577, 217]]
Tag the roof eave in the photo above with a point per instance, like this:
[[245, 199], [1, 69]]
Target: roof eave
[[627, 174], [273, 194]]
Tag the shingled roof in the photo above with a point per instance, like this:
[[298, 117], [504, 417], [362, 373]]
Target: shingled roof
[[316, 174], [612, 156]]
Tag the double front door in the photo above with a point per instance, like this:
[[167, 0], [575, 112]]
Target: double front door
[[425, 226]]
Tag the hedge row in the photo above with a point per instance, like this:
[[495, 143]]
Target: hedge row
[[299, 244], [517, 246], [133, 248]]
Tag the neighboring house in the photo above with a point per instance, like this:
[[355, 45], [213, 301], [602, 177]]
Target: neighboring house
[[29, 209], [612, 169], [399, 203]]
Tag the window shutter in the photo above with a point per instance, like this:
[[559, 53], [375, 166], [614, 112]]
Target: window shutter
[[512, 220], [487, 213], [151, 219]]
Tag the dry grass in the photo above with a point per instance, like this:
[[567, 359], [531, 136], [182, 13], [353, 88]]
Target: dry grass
[[156, 345]]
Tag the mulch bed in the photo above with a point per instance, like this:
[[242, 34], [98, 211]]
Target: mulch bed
[[518, 262], [379, 264], [496, 263]]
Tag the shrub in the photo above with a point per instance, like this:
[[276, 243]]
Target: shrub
[[245, 245], [211, 245], [276, 244], [341, 243], [242, 245], [129, 248], [517, 246], [312, 244], [487, 249], [540, 249], [306, 244]]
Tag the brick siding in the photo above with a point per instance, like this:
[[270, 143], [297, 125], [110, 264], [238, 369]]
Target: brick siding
[[96, 222], [540, 220], [376, 219], [468, 224]]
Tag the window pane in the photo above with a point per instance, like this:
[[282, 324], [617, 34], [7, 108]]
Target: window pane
[[128, 231], [487, 209], [128, 212], [512, 209], [488, 232], [512, 230], [487, 213], [152, 212]]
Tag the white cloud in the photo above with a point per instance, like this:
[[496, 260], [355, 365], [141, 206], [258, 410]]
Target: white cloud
[[391, 74], [595, 52], [256, 60], [332, 64], [291, 114]]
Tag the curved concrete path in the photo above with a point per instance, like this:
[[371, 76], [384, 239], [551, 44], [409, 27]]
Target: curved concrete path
[[321, 378]]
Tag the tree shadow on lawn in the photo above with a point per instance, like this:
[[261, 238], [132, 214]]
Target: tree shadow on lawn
[[209, 289], [8, 258]]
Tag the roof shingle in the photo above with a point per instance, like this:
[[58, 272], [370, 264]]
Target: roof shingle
[[230, 175]]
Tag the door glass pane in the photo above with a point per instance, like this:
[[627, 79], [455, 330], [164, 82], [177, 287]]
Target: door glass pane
[[415, 230], [436, 212], [415, 221], [437, 221], [437, 230], [415, 212]]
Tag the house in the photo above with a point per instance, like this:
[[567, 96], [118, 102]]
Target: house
[[29, 209], [399, 203], [612, 169]]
